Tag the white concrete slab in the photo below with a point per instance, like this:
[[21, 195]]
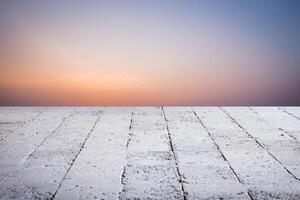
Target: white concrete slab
[[278, 143], [13, 118], [280, 119], [41, 174], [260, 172], [96, 173], [149, 153], [200, 162], [150, 171]]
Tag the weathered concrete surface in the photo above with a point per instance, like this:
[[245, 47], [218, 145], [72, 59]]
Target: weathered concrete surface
[[149, 153], [12, 118]]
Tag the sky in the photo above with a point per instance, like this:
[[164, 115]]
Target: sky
[[149, 52]]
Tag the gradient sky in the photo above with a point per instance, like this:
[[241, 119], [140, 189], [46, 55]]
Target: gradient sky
[[150, 52]]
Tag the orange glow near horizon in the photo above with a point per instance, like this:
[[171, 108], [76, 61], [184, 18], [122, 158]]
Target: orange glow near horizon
[[93, 89]]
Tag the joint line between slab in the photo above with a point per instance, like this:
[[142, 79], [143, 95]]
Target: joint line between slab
[[46, 137], [289, 113], [258, 143], [220, 151], [184, 193], [123, 173], [217, 146], [73, 160], [281, 129], [25, 122]]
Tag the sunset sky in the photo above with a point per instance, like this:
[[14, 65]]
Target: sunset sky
[[150, 52]]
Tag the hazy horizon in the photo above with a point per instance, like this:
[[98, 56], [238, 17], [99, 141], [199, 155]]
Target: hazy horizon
[[234, 52]]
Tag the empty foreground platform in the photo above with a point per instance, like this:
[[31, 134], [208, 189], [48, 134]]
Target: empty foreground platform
[[149, 152]]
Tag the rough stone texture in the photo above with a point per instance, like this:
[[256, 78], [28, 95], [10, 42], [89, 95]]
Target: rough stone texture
[[149, 153]]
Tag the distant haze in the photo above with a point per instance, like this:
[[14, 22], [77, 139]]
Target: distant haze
[[150, 52]]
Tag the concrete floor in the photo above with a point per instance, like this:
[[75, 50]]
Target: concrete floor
[[149, 153]]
